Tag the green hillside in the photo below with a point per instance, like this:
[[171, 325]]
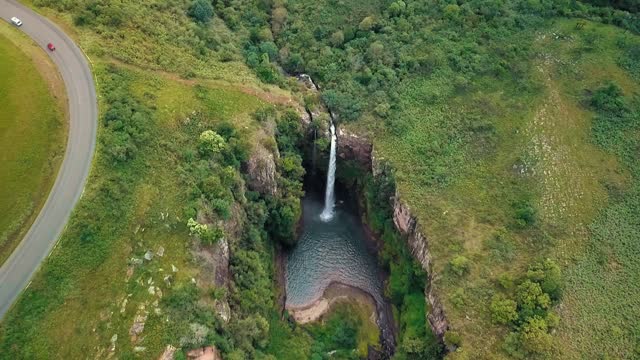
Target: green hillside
[[510, 129]]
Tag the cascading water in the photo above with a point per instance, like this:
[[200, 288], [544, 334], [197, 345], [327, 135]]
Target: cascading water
[[329, 200]]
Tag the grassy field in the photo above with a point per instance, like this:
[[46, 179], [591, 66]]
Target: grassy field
[[467, 161], [120, 218], [32, 133], [135, 198]]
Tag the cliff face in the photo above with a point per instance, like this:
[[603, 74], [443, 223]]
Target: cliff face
[[261, 171], [361, 150], [354, 147], [261, 167], [408, 226]]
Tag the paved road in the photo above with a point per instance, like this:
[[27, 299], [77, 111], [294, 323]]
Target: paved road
[[17, 271]]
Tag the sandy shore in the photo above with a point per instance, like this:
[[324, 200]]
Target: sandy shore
[[334, 293]]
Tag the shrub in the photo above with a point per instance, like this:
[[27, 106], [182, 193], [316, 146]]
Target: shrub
[[211, 142], [609, 99], [531, 299], [525, 213], [459, 265], [503, 310], [535, 337], [452, 338], [547, 274], [265, 114]]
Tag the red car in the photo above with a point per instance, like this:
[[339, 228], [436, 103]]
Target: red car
[[51, 47]]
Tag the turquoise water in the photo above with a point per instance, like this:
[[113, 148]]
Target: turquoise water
[[330, 251]]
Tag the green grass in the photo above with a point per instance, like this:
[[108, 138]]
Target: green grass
[[31, 137], [600, 304], [458, 157], [120, 218], [347, 329]]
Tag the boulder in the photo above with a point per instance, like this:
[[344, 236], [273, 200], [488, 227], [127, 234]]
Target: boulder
[[168, 353]]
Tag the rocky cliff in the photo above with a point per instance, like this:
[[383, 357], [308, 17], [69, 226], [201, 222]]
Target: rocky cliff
[[418, 243], [354, 147], [406, 223], [358, 148]]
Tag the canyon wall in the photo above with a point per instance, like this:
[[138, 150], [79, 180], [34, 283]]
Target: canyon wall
[[408, 226], [355, 147], [418, 243]]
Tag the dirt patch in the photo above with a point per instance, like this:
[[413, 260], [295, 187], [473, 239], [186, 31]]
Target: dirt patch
[[336, 292]]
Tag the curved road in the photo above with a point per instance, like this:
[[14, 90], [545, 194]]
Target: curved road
[[17, 271]]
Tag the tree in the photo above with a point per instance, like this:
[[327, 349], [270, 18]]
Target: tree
[[337, 38], [503, 310], [367, 23], [535, 337], [397, 7], [278, 18], [201, 11]]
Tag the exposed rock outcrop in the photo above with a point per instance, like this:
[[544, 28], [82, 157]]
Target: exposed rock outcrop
[[354, 147], [168, 353], [261, 169], [407, 225], [204, 353]]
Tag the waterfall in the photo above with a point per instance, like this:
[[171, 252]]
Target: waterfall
[[329, 200]]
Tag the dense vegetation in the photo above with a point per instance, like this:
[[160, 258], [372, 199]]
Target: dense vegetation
[[31, 134], [484, 128], [511, 128]]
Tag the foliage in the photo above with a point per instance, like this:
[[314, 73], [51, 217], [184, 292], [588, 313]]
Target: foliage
[[201, 10], [211, 142], [503, 310], [459, 265]]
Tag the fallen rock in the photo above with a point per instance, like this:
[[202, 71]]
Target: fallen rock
[[135, 261], [148, 255], [123, 308], [138, 323], [130, 269], [160, 251], [173, 268], [139, 349], [168, 354], [114, 338]]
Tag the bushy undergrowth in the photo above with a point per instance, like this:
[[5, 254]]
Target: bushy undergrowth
[[95, 224]]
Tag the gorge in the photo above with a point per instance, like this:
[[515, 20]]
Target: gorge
[[337, 257]]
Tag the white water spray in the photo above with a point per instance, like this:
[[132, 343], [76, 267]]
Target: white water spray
[[329, 200]]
